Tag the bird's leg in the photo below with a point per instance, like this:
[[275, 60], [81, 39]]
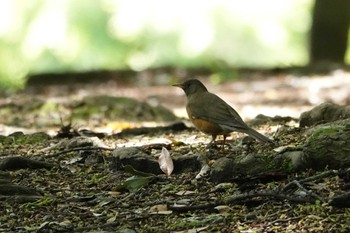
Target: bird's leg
[[223, 143], [212, 140]]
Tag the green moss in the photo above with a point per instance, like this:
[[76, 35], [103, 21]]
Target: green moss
[[121, 108], [96, 179], [44, 201], [20, 138], [326, 130], [287, 165]]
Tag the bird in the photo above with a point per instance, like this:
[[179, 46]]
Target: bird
[[212, 115]]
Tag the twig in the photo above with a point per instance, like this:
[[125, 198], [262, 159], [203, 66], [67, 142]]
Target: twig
[[241, 197], [311, 178], [285, 220], [308, 192], [320, 176], [78, 149]]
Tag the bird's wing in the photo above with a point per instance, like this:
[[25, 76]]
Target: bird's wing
[[212, 108]]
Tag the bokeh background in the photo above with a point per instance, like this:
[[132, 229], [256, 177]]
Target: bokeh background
[[42, 36]]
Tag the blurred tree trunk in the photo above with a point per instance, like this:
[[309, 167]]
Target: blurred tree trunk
[[330, 30]]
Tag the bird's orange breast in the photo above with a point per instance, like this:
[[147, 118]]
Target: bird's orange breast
[[204, 125], [207, 127]]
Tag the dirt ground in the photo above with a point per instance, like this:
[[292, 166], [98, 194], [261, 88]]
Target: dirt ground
[[81, 192]]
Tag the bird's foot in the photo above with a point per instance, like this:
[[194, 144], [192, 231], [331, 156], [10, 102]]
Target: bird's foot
[[212, 145], [217, 145]]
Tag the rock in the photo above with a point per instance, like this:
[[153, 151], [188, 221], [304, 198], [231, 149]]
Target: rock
[[136, 158], [222, 170], [323, 113], [296, 159], [341, 201], [185, 163], [290, 161], [20, 198], [121, 108], [252, 164], [326, 146], [18, 162], [5, 177], [327, 149], [264, 120], [144, 162], [16, 193], [12, 189]]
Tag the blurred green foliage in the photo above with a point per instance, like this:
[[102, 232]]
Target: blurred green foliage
[[62, 35]]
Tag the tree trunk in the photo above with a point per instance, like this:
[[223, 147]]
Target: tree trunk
[[329, 32]]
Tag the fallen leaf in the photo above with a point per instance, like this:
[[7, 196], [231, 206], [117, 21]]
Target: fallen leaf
[[135, 183], [224, 186], [183, 202], [112, 219], [114, 193], [165, 162], [222, 208], [97, 214], [159, 209], [281, 149], [203, 172], [133, 171], [183, 193], [194, 230]]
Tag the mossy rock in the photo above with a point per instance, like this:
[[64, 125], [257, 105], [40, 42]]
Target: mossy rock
[[21, 138], [121, 108], [326, 130], [323, 113], [328, 149]]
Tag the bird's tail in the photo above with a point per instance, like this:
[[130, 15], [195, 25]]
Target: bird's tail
[[258, 136]]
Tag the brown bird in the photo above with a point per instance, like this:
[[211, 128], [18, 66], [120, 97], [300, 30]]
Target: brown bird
[[212, 115]]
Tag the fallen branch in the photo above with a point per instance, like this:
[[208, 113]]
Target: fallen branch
[[18, 162], [342, 200], [239, 198], [311, 178], [308, 192], [77, 149]]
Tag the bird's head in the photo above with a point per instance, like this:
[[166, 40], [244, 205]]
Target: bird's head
[[191, 86]]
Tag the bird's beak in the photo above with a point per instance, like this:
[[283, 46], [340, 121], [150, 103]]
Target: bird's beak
[[178, 85]]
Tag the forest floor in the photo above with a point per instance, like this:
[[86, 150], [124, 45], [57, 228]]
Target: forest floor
[[81, 191]]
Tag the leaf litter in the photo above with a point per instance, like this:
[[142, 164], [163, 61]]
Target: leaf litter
[[79, 195]]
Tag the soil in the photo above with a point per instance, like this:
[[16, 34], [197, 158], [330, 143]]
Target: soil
[[76, 186]]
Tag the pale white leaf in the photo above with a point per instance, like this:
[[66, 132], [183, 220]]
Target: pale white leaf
[[281, 149], [157, 208], [194, 230], [160, 209], [165, 162], [186, 192], [203, 172], [222, 208], [112, 219]]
